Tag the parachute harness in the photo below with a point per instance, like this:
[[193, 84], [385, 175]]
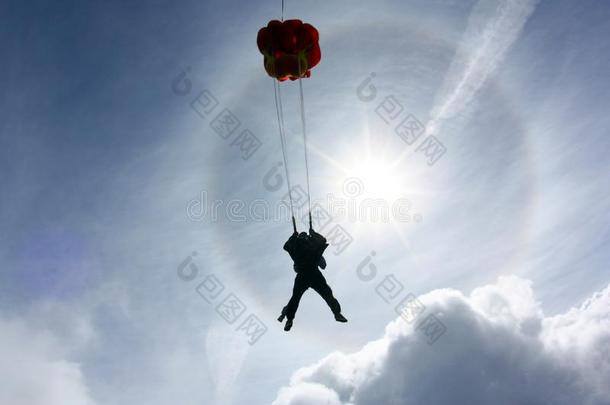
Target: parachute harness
[[290, 49]]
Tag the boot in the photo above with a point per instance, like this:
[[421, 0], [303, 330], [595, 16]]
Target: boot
[[340, 318], [282, 316], [288, 325]]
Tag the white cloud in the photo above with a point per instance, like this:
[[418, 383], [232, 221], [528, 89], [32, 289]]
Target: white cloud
[[33, 370], [498, 348]]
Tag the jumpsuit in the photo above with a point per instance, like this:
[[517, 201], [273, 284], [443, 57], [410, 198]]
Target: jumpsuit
[[307, 254]]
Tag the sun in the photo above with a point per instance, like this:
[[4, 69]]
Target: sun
[[370, 188], [377, 179]]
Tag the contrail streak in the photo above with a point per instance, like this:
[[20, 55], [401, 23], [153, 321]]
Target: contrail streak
[[492, 29], [493, 26]]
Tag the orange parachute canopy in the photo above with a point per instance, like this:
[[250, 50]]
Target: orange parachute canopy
[[290, 48]]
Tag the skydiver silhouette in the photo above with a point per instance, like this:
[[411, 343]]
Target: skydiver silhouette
[[307, 253]]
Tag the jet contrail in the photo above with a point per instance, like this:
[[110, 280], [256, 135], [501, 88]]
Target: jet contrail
[[492, 28]]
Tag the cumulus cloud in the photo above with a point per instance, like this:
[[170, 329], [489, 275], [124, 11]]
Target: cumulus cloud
[[498, 347], [34, 371]]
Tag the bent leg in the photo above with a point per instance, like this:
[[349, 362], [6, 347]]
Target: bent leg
[[300, 286], [321, 287]]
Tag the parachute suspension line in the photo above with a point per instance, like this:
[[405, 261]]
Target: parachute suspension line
[[280, 121], [284, 144], [305, 147], [282, 10]]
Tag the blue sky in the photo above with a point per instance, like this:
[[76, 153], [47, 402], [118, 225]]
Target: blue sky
[[100, 159]]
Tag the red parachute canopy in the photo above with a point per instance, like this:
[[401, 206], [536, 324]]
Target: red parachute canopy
[[290, 47]]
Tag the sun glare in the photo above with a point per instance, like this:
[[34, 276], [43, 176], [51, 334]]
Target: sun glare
[[378, 179]]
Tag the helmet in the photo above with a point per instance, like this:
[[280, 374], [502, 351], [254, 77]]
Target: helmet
[[303, 235]]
